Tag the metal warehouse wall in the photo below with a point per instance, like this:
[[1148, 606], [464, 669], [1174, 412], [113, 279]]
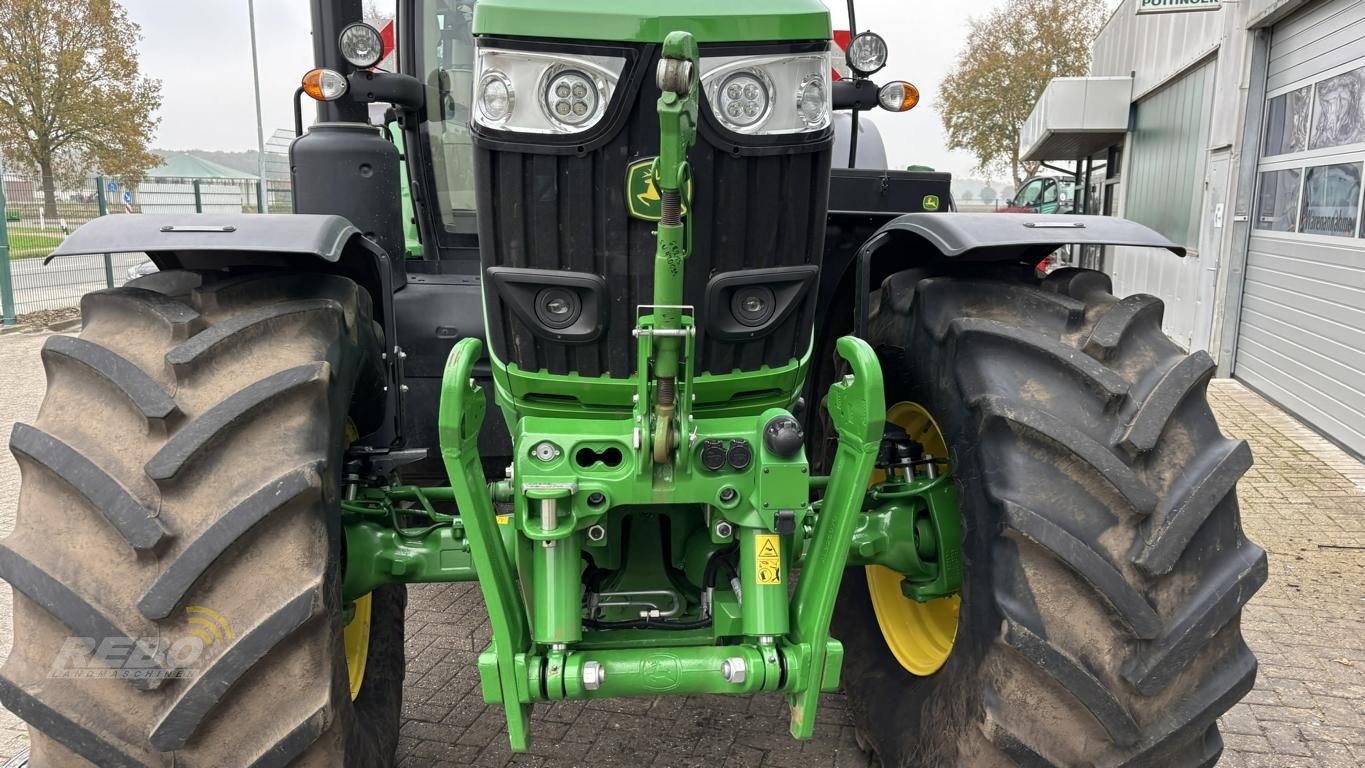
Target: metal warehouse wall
[[1163, 188], [1301, 336]]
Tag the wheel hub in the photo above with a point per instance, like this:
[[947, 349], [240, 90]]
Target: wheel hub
[[919, 634]]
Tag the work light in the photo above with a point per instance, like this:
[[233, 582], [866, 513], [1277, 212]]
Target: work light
[[361, 45], [866, 53], [767, 95]]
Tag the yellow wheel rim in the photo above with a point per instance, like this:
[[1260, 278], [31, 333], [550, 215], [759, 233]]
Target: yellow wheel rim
[[919, 635], [357, 639]]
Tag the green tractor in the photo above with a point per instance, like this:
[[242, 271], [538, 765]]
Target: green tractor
[[765, 420]]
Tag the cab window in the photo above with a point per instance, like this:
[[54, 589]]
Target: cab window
[[447, 62], [1030, 194]]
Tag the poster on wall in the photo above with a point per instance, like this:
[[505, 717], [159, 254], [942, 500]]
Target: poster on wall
[[1170, 6]]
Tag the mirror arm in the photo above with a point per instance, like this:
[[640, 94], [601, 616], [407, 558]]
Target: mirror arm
[[859, 94], [403, 91]]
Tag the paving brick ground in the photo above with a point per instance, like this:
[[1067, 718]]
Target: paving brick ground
[[1304, 502]]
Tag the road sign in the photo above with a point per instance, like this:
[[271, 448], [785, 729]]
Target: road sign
[[127, 197], [112, 186]]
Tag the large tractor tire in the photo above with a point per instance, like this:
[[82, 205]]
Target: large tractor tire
[[1105, 567], [178, 513]]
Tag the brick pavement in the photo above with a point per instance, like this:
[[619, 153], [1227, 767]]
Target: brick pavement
[[1304, 501]]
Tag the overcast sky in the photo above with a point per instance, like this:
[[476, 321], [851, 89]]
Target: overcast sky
[[201, 53]]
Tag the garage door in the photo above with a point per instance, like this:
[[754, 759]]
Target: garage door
[[1301, 336]]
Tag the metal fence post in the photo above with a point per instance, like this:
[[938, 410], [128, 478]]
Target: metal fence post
[[198, 197], [6, 278], [260, 196], [104, 211]]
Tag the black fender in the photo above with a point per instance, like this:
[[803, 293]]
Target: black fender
[[927, 239], [204, 241]]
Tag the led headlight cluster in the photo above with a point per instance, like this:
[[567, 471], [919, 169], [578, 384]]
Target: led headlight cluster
[[532, 92], [789, 93]]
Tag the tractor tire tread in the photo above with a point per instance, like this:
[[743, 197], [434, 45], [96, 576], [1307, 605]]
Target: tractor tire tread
[[149, 397], [1106, 629], [243, 327], [196, 556], [75, 736], [138, 525], [198, 539], [183, 718], [193, 437], [71, 609], [177, 318]]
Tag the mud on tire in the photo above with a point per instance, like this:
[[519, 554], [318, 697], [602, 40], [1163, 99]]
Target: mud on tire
[[179, 485], [1106, 567]]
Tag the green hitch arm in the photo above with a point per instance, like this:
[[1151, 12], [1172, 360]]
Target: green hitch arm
[[460, 417], [857, 407], [678, 79]]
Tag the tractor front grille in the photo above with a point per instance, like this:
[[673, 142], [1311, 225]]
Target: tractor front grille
[[756, 205]]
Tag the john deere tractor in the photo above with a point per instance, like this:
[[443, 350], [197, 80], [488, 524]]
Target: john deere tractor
[[604, 310]]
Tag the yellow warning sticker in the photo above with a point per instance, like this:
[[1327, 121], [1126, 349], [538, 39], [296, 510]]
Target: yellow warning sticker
[[768, 558], [504, 519]]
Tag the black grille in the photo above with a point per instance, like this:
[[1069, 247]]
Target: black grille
[[754, 206]]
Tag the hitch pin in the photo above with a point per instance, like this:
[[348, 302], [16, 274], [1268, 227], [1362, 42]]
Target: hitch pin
[[548, 519]]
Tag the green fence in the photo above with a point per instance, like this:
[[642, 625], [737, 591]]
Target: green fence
[[31, 227]]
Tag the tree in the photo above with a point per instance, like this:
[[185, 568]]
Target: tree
[[965, 195], [1010, 56], [989, 195], [70, 91]]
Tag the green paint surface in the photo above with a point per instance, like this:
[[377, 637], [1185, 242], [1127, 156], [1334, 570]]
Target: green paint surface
[[650, 21]]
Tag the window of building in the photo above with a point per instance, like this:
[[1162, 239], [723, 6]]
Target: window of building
[[1339, 110], [1331, 200], [1278, 204], [1286, 127]]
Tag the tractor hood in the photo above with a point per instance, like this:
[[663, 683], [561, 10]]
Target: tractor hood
[[649, 21]]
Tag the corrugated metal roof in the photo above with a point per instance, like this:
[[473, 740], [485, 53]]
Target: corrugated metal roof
[[184, 166]]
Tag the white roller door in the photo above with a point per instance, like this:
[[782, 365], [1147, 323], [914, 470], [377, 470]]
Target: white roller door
[[1301, 334]]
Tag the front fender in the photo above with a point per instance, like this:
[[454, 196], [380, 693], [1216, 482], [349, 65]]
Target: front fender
[[921, 239], [205, 241], [1024, 238]]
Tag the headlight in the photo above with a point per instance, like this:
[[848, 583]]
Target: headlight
[[531, 92], [768, 94], [743, 98]]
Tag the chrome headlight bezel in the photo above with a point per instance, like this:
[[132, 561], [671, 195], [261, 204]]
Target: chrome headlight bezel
[[787, 75], [528, 74]]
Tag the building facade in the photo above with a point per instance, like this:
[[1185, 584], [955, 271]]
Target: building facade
[[1244, 140]]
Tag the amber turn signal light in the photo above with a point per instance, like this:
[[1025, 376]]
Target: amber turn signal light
[[898, 96], [324, 84]]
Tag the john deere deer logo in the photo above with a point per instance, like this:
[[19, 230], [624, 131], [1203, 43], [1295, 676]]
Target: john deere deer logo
[[642, 190]]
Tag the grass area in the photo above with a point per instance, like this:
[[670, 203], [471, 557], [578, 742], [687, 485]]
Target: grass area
[[32, 242]]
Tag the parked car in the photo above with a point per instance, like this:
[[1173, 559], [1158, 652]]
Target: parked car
[[1043, 194], [141, 269]]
